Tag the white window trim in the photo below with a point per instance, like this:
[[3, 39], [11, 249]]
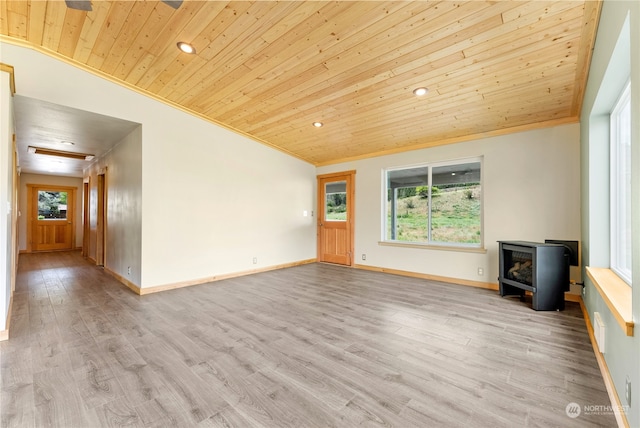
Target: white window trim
[[624, 274]]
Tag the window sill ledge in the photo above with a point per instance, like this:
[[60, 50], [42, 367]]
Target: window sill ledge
[[434, 247], [616, 294]]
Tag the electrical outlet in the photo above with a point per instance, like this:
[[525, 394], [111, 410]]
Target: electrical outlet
[[627, 390], [584, 291], [128, 270], [480, 271], [364, 257], [255, 260]]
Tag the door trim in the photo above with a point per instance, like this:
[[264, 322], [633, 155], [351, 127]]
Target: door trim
[[101, 225], [86, 228], [31, 188], [349, 176]]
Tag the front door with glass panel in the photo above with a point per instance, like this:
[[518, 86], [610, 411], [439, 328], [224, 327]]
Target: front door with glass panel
[[335, 219], [51, 218]]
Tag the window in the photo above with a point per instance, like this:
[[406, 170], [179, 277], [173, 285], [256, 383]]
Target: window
[[52, 205], [620, 181], [435, 204], [336, 202]]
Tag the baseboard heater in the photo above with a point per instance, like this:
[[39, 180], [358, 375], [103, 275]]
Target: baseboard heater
[[598, 331]]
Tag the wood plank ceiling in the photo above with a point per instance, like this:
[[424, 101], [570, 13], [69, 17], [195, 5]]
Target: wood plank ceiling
[[270, 69]]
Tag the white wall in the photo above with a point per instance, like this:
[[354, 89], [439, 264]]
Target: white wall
[[212, 200], [123, 172], [53, 180], [6, 195], [531, 192]]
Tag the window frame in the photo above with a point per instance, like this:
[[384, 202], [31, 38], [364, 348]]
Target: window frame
[[617, 195], [385, 240]]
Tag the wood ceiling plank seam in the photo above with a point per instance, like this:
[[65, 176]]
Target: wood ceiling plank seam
[[15, 19], [208, 74], [536, 9], [133, 25], [228, 79], [246, 29], [148, 34], [91, 30], [175, 72], [328, 86], [443, 30], [513, 32], [373, 15], [54, 20], [520, 49], [470, 68], [271, 89], [543, 71], [588, 37], [4, 17], [291, 21], [185, 30], [118, 11], [503, 92], [71, 31], [18, 25], [239, 43], [144, 64]]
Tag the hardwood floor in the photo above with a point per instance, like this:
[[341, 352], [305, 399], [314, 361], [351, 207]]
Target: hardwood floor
[[310, 346]]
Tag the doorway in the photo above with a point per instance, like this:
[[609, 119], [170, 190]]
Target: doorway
[[336, 217], [51, 217]]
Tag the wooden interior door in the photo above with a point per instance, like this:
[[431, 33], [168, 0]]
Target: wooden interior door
[[51, 218], [335, 217]]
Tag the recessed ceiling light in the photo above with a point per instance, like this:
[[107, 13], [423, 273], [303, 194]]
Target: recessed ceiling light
[[418, 92], [318, 124], [186, 48]]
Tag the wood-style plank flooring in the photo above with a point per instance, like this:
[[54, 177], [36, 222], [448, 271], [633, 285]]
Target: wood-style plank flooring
[[310, 346]]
